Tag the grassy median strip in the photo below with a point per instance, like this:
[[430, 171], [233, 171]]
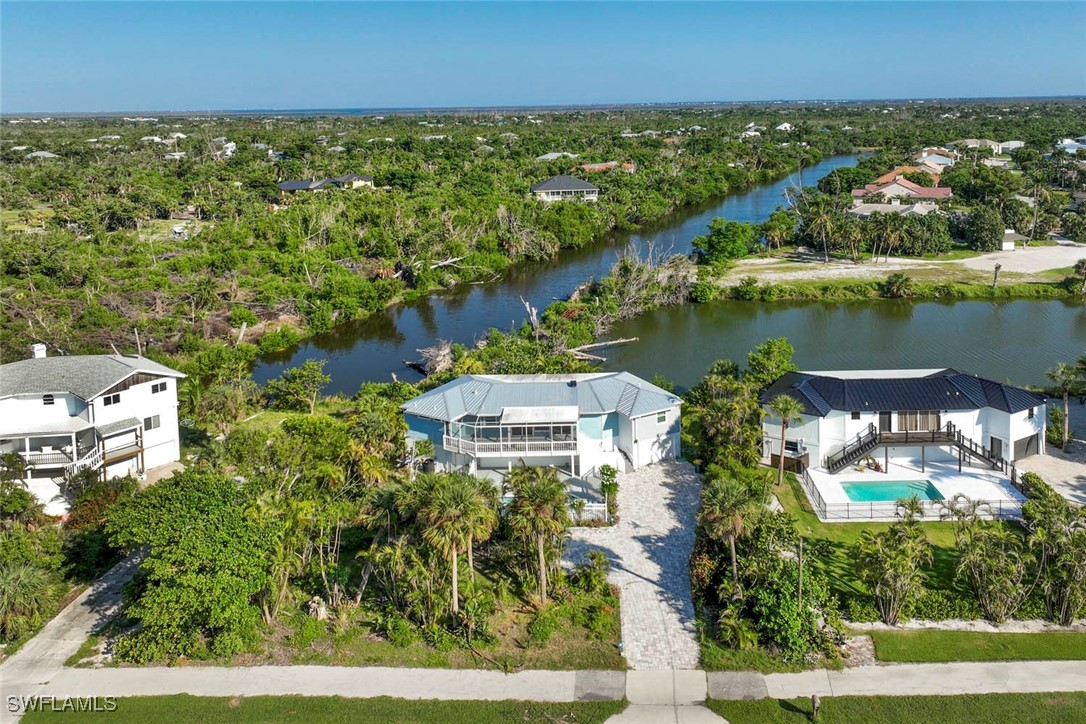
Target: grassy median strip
[[185, 708], [932, 646], [1002, 708]]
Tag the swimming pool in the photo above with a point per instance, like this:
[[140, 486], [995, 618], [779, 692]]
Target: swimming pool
[[890, 490]]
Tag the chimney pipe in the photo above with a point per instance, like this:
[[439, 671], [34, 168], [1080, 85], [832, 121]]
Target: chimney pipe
[[37, 350]]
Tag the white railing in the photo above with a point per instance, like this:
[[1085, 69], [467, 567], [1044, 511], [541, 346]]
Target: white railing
[[507, 447], [590, 512], [93, 459]]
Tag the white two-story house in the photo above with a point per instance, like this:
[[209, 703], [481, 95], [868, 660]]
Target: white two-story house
[[112, 413], [907, 416], [574, 422]]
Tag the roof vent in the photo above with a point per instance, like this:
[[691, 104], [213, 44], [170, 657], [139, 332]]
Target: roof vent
[[572, 383], [130, 356], [37, 351]]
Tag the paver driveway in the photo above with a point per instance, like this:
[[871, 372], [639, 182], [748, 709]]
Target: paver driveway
[[650, 553]]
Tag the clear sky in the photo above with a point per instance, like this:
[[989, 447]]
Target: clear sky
[[71, 57]]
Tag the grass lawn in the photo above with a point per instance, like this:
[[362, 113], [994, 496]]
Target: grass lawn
[[1002, 708], [926, 646], [718, 657], [184, 708], [838, 538], [569, 648]]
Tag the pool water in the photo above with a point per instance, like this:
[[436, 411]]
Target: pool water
[[890, 491]]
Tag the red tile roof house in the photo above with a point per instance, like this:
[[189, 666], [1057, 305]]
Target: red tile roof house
[[903, 188], [900, 171], [592, 167]]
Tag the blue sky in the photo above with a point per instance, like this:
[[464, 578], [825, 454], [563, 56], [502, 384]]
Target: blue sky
[[85, 57]]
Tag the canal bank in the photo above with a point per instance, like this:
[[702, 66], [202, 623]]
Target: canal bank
[[375, 348]]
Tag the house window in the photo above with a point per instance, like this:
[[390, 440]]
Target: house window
[[48, 400], [152, 423], [792, 446], [158, 387], [113, 399], [917, 420], [855, 414], [1032, 411], [661, 418]]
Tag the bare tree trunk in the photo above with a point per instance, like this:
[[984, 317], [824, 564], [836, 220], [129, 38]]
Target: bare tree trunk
[[735, 563], [455, 582], [780, 461], [542, 571], [471, 557], [1066, 419]]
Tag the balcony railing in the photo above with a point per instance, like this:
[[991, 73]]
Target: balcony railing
[[507, 447], [47, 458]]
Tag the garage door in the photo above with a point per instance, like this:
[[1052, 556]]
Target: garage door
[[1025, 447]]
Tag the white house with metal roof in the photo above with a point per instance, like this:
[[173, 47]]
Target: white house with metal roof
[[575, 422], [113, 413], [867, 438]]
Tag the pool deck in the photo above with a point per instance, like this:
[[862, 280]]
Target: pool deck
[[976, 483]]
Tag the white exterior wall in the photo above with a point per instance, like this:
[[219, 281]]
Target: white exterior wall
[[32, 414], [161, 445], [826, 435], [653, 440]]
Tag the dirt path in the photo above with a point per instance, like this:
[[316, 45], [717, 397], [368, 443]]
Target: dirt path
[[1023, 264]]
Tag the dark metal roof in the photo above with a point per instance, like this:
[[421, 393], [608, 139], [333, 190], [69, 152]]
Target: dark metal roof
[[301, 185], [352, 177], [563, 183], [946, 389]]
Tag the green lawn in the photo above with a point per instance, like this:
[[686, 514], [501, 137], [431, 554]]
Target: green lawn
[[838, 538], [925, 646], [184, 708], [1001, 708]]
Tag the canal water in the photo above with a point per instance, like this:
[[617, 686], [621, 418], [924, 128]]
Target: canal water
[[1015, 341], [680, 342]]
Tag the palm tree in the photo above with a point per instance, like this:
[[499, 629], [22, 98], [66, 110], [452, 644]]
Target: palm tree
[[1066, 377], [821, 221], [788, 409], [13, 468], [484, 518], [27, 593], [539, 512], [725, 502], [447, 518]]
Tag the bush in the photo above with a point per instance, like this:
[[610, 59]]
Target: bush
[[309, 630], [746, 290], [399, 631], [240, 315], [703, 292], [546, 622]]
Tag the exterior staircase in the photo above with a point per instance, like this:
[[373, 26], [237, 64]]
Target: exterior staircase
[[948, 435]]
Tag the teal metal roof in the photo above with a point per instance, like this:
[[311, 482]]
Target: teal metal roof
[[591, 394]]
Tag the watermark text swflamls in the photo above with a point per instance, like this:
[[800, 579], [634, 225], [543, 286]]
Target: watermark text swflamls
[[23, 704]]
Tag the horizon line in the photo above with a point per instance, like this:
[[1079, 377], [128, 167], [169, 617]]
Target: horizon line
[[453, 110]]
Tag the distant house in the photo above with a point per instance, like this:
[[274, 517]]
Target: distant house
[[350, 181], [1008, 146], [900, 171], [152, 139], [565, 188], [109, 138], [174, 156], [863, 211], [977, 143], [785, 127], [178, 136], [629, 167], [555, 155], [1011, 239], [41, 154], [593, 167], [353, 181], [903, 188], [749, 134], [336, 149]]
